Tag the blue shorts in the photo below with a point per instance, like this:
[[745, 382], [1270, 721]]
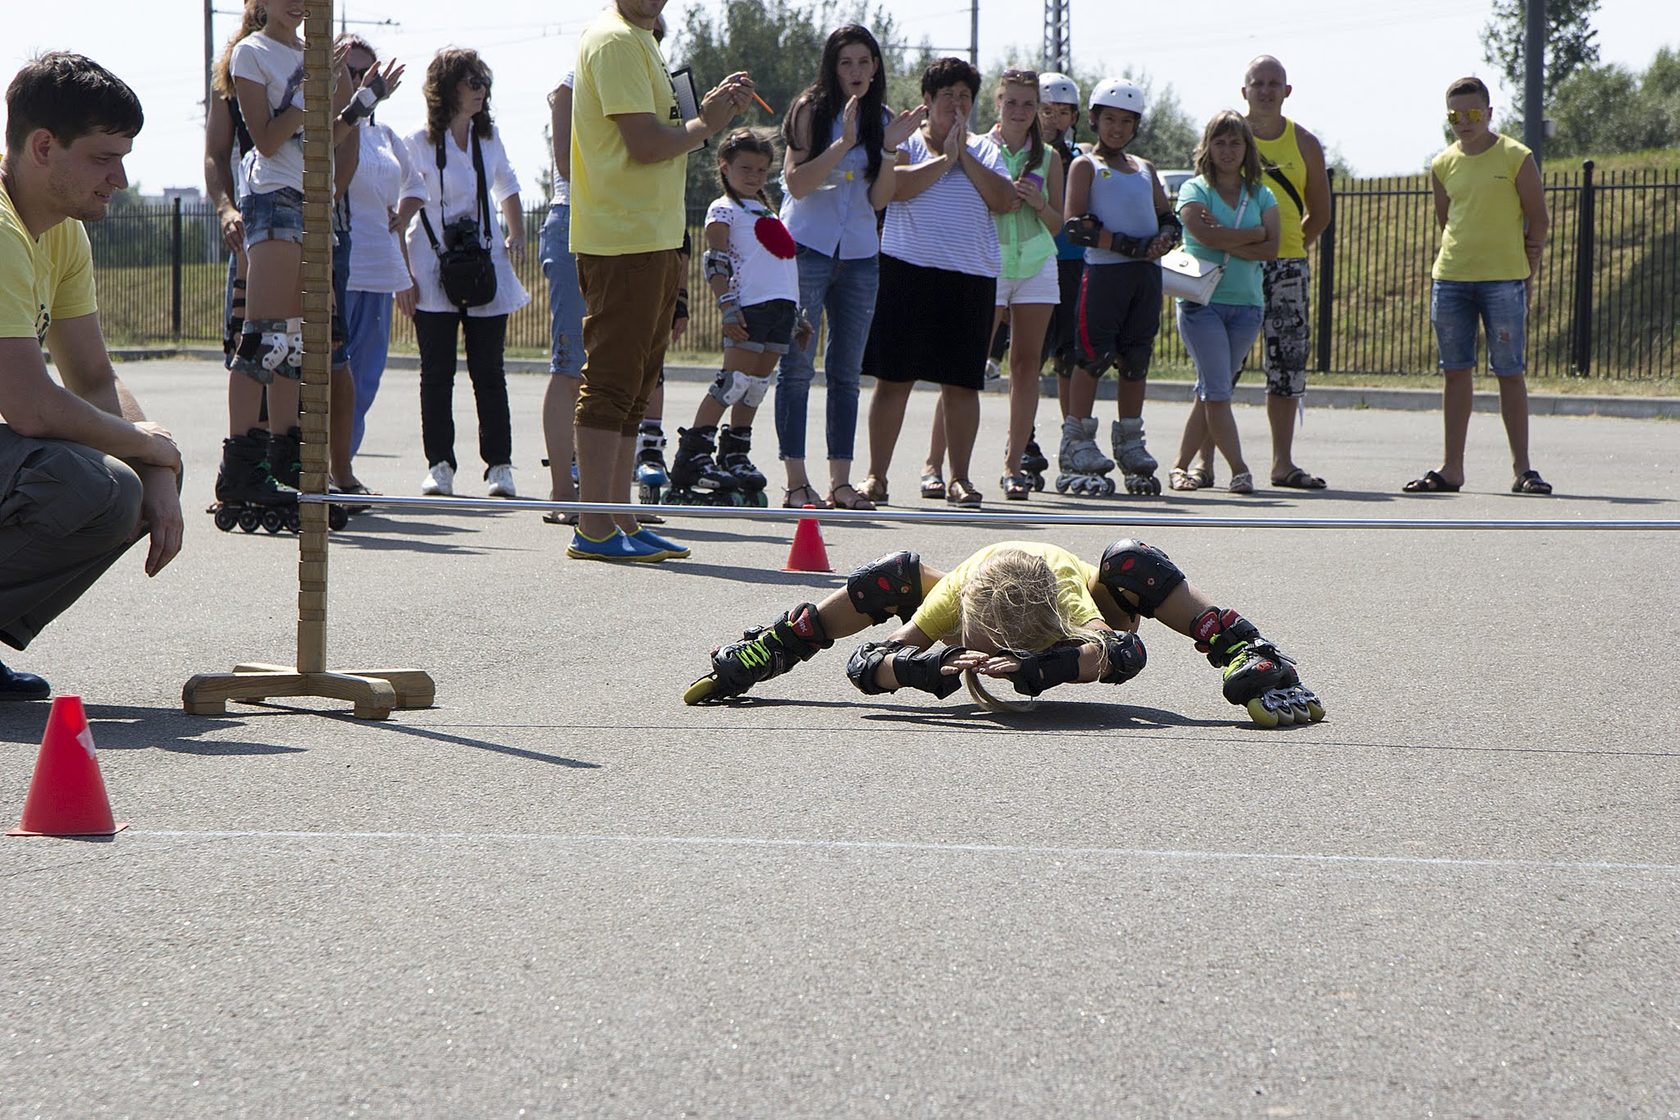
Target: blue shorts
[[770, 326], [274, 216], [1455, 306]]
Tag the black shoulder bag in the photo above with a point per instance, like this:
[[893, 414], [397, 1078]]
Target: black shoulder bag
[[464, 262]]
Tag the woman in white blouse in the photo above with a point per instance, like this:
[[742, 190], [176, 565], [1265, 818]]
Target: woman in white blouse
[[385, 193], [458, 124]]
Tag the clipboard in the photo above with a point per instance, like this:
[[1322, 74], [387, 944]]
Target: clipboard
[[688, 99]]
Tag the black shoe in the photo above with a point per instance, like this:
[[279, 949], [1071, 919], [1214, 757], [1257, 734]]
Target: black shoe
[[22, 686]]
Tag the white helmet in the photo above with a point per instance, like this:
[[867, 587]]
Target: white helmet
[[1058, 89], [1117, 93]]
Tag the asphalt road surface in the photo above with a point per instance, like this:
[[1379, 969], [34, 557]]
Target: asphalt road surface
[[561, 892]]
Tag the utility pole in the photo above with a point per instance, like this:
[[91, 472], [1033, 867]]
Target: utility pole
[[209, 52], [1058, 50], [1534, 72]]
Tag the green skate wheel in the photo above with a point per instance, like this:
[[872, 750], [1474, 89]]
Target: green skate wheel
[[1315, 708], [1261, 714], [701, 690]]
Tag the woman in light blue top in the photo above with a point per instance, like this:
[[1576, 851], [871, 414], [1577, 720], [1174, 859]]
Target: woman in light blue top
[[1231, 218], [841, 145]]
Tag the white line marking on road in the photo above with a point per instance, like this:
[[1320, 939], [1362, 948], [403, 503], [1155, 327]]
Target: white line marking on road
[[1185, 855]]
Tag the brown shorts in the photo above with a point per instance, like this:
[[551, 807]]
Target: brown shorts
[[628, 303]]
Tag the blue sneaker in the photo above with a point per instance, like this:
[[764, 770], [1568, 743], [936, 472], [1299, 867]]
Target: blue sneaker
[[669, 549], [618, 548]]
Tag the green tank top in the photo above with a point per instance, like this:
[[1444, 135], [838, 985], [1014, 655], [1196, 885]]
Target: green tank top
[[1022, 238]]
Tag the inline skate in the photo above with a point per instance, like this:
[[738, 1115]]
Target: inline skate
[[1259, 677], [1137, 465], [763, 652], [696, 479], [285, 461], [1033, 462], [247, 495], [1084, 468], [651, 476], [734, 451]]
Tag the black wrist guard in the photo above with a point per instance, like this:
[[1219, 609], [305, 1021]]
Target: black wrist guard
[[1132, 246], [1171, 228], [1057, 665], [1123, 656], [920, 669], [1083, 230], [681, 312]]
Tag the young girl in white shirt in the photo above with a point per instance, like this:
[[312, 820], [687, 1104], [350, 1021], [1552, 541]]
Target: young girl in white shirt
[[749, 264]]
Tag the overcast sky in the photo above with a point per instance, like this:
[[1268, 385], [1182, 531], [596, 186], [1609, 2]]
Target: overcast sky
[[1368, 78]]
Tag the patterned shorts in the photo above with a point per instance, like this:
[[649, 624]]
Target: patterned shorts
[[1285, 326]]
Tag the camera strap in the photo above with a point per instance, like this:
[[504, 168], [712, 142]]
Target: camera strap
[[483, 194]]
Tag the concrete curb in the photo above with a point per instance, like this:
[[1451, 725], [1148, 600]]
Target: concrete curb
[[1329, 396]]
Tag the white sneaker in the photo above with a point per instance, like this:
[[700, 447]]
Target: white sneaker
[[440, 481], [501, 481]]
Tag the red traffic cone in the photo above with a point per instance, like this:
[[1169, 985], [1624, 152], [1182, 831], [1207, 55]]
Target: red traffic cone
[[67, 795], [808, 553]]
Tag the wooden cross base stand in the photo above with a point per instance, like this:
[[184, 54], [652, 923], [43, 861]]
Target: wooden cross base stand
[[374, 692]]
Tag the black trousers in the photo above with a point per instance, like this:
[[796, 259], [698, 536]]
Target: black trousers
[[436, 332]]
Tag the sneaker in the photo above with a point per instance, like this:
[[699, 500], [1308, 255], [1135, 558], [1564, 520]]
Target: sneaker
[[669, 549], [22, 686], [993, 370], [440, 481], [500, 477], [617, 548]]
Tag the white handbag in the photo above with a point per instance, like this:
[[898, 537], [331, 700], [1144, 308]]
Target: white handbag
[[1189, 277]]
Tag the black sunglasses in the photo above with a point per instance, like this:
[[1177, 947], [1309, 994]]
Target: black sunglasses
[[477, 82]]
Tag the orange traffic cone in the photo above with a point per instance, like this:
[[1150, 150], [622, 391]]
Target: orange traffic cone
[[808, 553], [67, 795]]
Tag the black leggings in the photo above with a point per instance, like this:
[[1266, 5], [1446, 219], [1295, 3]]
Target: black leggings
[[486, 335]]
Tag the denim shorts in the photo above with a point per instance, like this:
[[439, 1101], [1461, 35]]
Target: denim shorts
[[1218, 337], [769, 326], [1455, 306], [276, 215]]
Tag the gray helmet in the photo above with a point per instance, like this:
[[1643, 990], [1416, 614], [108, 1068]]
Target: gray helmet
[[1117, 93], [1058, 89]]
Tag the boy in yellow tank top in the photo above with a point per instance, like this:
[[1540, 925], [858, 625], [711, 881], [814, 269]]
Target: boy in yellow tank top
[[1492, 214]]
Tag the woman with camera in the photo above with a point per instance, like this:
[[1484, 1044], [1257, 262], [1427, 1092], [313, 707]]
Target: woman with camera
[[463, 271]]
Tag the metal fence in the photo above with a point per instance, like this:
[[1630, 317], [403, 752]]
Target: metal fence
[[1607, 302]]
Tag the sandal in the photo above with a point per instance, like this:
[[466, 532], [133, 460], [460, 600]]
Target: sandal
[[1299, 479], [1432, 483], [807, 498], [1241, 483], [1203, 477], [961, 492], [875, 489], [555, 517], [1530, 482], [1180, 479], [1016, 487], [933, 487], [856, 501]]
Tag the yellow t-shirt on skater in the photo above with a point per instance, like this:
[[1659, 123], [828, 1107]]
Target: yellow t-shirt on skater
[[940, 615]]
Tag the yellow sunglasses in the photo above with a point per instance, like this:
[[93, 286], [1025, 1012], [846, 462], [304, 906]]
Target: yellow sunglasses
[[1474, 116]]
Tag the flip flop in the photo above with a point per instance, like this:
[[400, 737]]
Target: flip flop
[[555, 517], [1530, 482], [1430, 483], [1299, 479]]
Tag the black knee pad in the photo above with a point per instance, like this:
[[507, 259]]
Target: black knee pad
[[888, 586], [1142, 569], [1134, 362]]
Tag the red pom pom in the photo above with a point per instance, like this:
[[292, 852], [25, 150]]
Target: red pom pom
[[775, 238]]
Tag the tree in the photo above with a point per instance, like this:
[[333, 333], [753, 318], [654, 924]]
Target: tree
[[1569, 41], [779, 42], [1602, 110]]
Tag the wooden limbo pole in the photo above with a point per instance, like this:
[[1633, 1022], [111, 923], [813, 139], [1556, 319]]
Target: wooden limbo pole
[[373, 692]]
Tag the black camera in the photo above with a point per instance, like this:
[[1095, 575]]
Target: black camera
[[461, 235]]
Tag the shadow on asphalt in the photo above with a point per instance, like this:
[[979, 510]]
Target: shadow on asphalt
[[123, 728], [823, 580]]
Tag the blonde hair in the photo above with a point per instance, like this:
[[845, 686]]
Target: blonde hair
[[251, 20], [1010, 602]]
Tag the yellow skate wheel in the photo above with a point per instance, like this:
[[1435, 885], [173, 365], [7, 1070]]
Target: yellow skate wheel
[[1260, 714], [1315, 709], [701, 690]]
